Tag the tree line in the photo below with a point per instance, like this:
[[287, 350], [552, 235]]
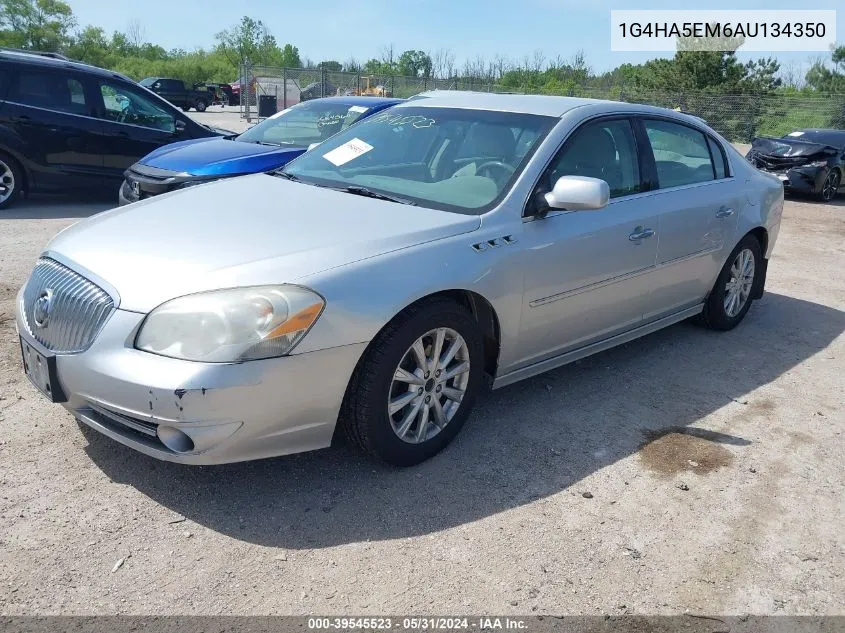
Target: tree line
[[49, 25]]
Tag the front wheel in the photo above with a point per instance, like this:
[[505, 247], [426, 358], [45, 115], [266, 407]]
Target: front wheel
[[731, 296], [200, 106], [414, 388], [830, 186]]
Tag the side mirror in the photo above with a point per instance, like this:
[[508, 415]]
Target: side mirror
[[179, 126], [578, 193], [312, 146]]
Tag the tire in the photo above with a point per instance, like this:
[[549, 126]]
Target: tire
[[185, 108], [364, 414], [11, 179], [719, 313], [830, 186], [200, 106]]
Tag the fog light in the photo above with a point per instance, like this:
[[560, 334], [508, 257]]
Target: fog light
[[175, 440]]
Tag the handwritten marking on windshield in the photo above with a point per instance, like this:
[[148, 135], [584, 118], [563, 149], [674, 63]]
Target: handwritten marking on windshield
[[417, 121]]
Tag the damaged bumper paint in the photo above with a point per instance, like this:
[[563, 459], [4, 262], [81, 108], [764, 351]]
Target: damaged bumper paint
[[203, 413]]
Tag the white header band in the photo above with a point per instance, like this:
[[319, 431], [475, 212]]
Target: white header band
[[765, 31]]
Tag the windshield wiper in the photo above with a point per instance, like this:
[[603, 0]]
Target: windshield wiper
[[369, 193], [284, 174]]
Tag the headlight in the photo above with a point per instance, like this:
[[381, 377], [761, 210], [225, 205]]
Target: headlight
[[231, 325], [818, 163]]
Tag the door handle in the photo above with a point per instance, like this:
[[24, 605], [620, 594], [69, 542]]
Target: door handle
[[724, 212], [22, 119], [640, 233]]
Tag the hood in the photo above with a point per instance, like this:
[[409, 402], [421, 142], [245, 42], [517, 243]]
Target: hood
[[220, 157], [788, 147], [771, 152], [253, 230]]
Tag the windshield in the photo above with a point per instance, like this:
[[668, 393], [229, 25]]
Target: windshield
[[445, 158], [149, 81], [304, 123]]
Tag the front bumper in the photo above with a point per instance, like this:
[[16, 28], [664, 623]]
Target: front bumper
[[142, 181], [202, 413], [801, 179]]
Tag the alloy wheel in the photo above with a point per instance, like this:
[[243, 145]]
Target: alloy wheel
[[7, 182], [428, 385], [738, 287], [830, 186]]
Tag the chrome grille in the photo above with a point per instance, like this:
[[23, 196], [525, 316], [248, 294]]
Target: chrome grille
[[77, 311]]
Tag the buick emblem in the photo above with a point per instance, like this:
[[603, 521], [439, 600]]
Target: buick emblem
[[41, 309]]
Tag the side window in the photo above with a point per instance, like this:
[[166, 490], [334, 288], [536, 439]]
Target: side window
[[605, 150], [718, 159], [51, 91], [4, 83], [124, 105], [681, 154], [77, 92], [170, 85]]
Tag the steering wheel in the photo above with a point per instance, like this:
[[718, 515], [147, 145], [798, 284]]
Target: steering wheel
[[505, 170]]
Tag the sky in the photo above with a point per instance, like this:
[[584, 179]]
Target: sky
[[331, 29]]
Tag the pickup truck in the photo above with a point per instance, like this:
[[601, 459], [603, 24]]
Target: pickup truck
[[175, 91]]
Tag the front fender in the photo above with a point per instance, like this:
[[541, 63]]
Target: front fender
[[362, 298]]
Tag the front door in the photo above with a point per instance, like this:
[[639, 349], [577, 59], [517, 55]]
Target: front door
[[587, 272], [133, 126]]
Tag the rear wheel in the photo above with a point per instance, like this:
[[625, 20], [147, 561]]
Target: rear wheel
[[830, 186], [414, 388], [11, 180], [200, 106], [731, 296]]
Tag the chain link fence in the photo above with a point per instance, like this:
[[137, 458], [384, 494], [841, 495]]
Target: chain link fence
[[266, 90]]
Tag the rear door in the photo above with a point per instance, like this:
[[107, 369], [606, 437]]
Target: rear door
[[133, 124], [51, 114], [698, 203]]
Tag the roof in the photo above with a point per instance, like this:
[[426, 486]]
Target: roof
[[353, 100], [36, 59], [543, 105], [528, 104]]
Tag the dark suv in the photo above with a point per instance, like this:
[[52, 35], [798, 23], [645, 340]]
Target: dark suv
[[177, 93], [66, 125]]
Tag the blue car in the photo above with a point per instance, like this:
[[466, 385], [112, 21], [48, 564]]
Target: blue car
[[269, 145]]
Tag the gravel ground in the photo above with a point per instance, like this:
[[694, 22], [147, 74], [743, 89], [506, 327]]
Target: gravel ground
[[688, 470]]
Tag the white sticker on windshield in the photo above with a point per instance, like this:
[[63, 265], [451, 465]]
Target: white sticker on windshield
[[358, 109], [346, 152], [796, 134]]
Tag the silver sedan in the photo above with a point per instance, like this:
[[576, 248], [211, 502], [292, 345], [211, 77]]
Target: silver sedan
[[379, 282]]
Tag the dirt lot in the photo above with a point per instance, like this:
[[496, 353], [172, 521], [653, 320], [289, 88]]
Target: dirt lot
[[713, 462]]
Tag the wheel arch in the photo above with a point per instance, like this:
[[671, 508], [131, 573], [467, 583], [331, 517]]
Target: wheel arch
[[762, 236], [22, 167], [483, 312]]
